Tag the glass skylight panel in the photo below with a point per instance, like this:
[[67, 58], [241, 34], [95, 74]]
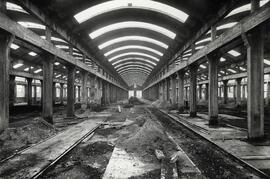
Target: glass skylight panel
[[140, 59], [199, 47], [135, 68], [78, 54], [243, 69], [38, 70], [203, 66], [14, 46], [62, 46], [26, 69], [203, 40], [54, 39], [222, 59], [130, 66], [136, 63], [223, 72], [231, 70], [32, 25], [136, 38], [124, 4], [132, 24], [14, 7], [267, 62], [133, 47], [187, 55], [18, 65], [57, 63], [33, 54], [133, 53], [244, 8], [226, 26], [234, 53], [58, 76]]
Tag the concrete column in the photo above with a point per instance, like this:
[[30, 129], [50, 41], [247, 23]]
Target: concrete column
[[47, 99], [238, 91], [54, 93], [206, 91], [173, 89], [181, 100], [268, 94], [41, 90], [84, 89], [5, 41], [62, 93], [193, 90], [255, 71], [12, 90], [79, 93], [225, 90], [29, 91], [200, 91], [213, 89], [70, 90]]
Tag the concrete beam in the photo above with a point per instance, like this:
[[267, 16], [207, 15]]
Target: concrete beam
[[245, 25], [29, 36]]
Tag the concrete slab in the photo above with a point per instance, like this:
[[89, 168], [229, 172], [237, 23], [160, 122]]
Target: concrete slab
[[124, 165], [33, 160]]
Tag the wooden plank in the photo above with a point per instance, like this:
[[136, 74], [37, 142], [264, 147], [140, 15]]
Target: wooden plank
[[243, 26], [27, 35]]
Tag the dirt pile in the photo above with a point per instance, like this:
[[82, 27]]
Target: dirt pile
[[145, 140], [15, 139]]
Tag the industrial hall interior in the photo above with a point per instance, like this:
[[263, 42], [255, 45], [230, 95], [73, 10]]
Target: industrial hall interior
[[135, 89]]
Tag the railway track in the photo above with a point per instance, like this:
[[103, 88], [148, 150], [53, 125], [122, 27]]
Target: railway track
[[213, 161], [39, 171]]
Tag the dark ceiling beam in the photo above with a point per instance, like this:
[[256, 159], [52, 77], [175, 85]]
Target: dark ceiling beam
[[231, 34], [29, 36], [39, 14], [221, 14]]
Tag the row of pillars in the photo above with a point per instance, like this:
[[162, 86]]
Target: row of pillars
[[110, 92], [255, 105]]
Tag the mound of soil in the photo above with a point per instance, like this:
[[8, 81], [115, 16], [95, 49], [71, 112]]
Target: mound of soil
[[15, 139]]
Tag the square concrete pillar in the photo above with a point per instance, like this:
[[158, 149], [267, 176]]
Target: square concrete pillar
[[173, 89], [70, 90], [193, 90], [181, 100], [238, 91], [12, 90], [5, 42], [47, 92], [84, 77], [213, 89], [225, 91]]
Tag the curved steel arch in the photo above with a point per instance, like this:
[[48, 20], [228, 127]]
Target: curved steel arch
[[133, 63], [132, 24], [135, 66], [133, 54], [132, 70], [132, 38], [125, 47], [135, 71], [133, 59], [109, 6]]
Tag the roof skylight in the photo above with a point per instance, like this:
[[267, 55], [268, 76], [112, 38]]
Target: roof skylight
[[133, 53], [14, 7], [18, 65], [234, 53], [136, 4], [38, 70], [139, 59], [133, 47], [14, 46], [203, 40], [137, 38], [31, 25], [129, 63], [55, 39], [132, 24], [33, 54], [130, 66], [267, 62], [222, 59]]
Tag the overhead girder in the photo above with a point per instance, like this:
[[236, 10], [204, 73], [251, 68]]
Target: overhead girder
[[135, 70], [134, 59], [133, 63], [134, 54], [134, 66]]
